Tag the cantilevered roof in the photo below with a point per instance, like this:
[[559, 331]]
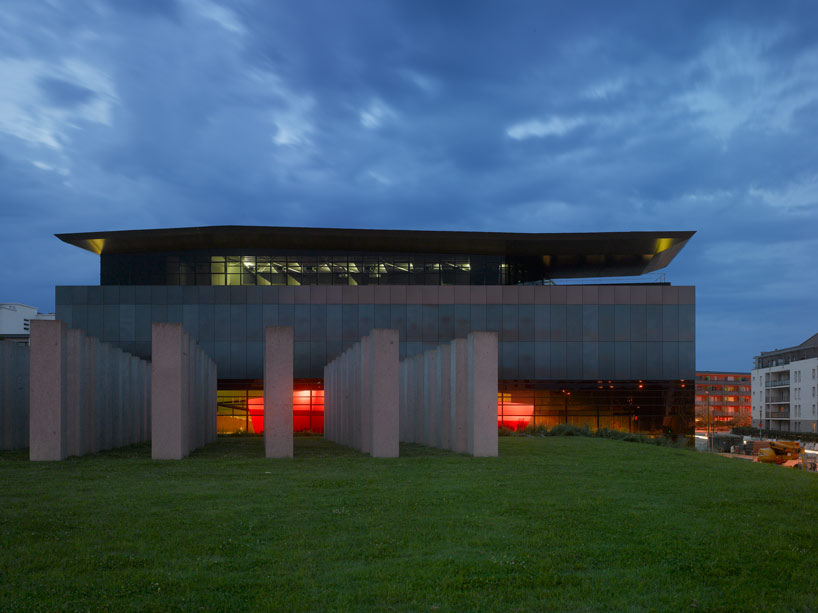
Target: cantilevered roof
[[561, 255]]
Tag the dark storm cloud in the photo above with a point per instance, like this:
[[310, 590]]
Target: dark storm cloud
[[519, 116]]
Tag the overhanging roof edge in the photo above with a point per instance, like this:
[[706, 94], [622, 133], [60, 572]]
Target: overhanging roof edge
[[341, 239]]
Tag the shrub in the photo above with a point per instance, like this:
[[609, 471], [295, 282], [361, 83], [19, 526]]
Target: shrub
[[680, 442], [807, 437], [569, 430], [536, 430]]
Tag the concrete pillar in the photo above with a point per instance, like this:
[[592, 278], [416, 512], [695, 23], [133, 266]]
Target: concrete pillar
[[402, 401], [343, 392], [482, 408], [383, 383], [167, 392], [459, 395], [47, 389], [333, 402], [356, 413], [278, 392], [214, 403], [431, 426], [327, 396], [407, 423], [106, 392], [116, 399], [443, 401], [349, 397], [145, 387], [420, 428], [133, 400], [365, 383], [74, 374]]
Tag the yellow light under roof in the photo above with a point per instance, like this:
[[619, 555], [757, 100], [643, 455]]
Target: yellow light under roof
[[97, 244], [662, 244]]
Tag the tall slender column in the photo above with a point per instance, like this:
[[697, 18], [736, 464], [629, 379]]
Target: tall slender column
[[383, 396], [278, 392], [482, 410], [47, 391]]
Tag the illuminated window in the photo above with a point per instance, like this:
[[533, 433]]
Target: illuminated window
[[242, 410]]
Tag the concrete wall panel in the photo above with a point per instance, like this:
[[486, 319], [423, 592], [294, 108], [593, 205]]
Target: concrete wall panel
[[383, 392], [361, 395], [482, 394], [459, 394], [86, 394], [450, 397], [278, 392], [183, 394]]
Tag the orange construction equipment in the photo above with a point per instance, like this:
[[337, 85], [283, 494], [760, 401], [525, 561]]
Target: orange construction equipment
[[789, 453]]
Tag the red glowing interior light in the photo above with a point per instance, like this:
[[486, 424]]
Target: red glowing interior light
[[255, 406], [514, 415], [308, 411]]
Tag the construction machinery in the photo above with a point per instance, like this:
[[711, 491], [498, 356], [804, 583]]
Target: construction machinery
[[787, 453]]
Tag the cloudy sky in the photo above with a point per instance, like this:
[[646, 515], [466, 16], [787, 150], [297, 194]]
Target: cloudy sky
[[494, 116]]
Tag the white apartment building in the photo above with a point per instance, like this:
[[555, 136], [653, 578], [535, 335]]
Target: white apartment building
[[784, 387], [15, 320]]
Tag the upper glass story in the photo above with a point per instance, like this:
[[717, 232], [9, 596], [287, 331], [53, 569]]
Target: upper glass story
[[234, 267], [258, 256]]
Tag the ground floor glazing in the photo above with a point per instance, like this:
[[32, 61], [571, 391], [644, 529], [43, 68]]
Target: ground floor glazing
[[645, 407]]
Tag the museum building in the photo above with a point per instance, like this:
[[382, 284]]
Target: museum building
[[612, 353]]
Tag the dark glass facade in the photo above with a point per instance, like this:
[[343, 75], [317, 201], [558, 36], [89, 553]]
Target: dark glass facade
[[649, 407], [648, 334]]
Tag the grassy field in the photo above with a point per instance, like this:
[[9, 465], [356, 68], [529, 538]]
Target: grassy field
[[558, 523]]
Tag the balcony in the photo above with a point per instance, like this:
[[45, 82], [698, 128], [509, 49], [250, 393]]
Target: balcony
[[778, 383], [778, 415]]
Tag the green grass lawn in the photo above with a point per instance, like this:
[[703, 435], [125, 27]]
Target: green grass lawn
[[557, 523]]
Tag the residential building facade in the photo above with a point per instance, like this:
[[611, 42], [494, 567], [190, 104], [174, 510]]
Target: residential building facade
[[723, 399], [785, 388]]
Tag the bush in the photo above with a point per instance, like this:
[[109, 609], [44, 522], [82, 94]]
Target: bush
[[807, 437], [569, 430], [617, 435]]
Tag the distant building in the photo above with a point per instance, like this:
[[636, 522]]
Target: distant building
[[15, 319], [784, 386], [723, 398]]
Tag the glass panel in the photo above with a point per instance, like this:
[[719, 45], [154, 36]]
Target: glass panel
[[263, 264], [648, 407]]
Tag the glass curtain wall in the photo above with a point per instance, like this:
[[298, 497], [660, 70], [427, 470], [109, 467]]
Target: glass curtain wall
[[645, 407], [199, 268]]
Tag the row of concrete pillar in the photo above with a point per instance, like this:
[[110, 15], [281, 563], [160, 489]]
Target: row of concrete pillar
[[85, 395], [448, 396], [183, 393], [361, 396]]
